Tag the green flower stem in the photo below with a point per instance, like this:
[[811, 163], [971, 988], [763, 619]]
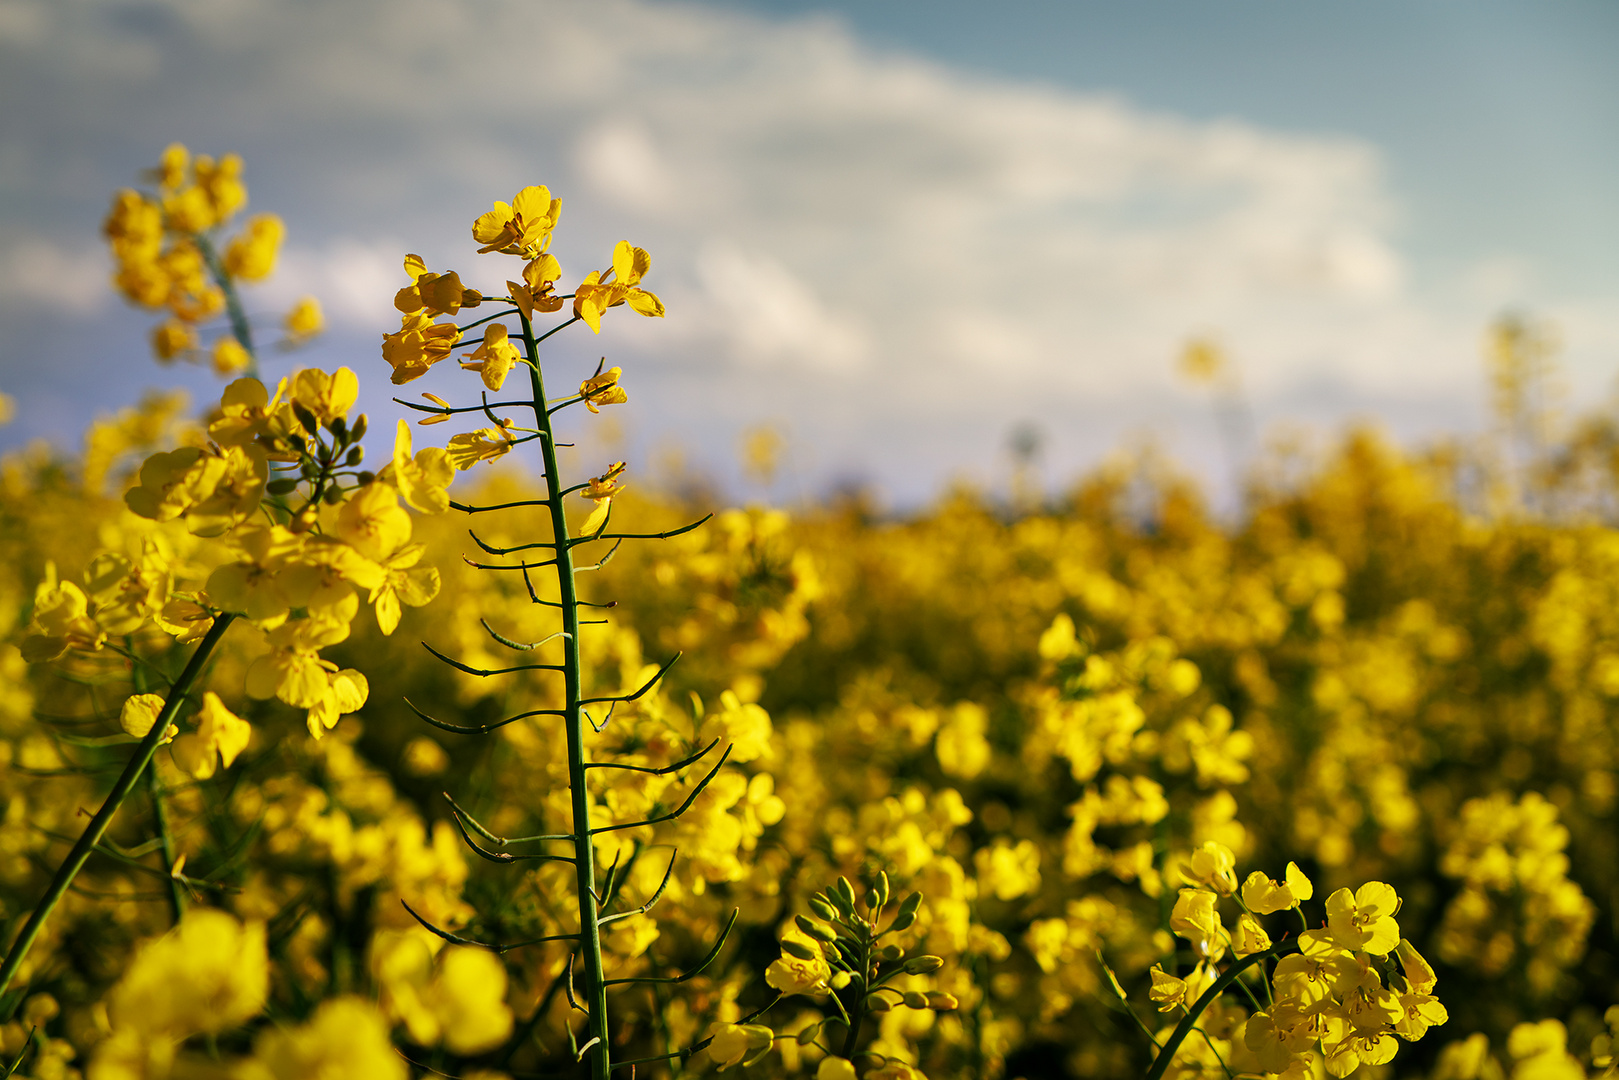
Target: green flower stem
[[239, 325], [1189, 1021], [97, 828], [584, 852], [160, 811]]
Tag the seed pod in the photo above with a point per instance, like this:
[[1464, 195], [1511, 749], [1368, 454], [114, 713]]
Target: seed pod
[[921, 965], [799, 949], [306, 418], [939, 1001]]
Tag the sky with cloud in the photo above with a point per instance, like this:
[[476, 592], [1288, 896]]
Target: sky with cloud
[[897, 241]]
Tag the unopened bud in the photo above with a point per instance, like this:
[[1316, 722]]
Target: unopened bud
[[890, 953], [365, 478], [882, 888], [821, 907], [845, 890], [816, 930], [283, 486], [915, 1000], [921, 965], [357, 432], [939, 1001], [799, 949], [910, 903], [903, 921], [333, 496], [877, 1003], [356, 455], [339, 427], [303, 520]]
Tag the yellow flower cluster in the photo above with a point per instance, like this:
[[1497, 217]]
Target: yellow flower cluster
[[168, 256]]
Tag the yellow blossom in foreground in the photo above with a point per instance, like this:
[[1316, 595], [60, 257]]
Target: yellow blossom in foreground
[[601, 490], [835, 1068], [1195, 919], [619, 285], [1364, 920], [221, 735], [484, 444], [523, 228], [535, 292], [140, 712], [1212, 866], [602, 389], [1264, 896], [329, 397], [419, 344], [423, 480], [494, 358]]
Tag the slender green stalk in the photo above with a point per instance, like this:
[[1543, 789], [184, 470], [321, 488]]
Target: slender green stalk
[[154, 789], [595, 987], [240, 328], [97, 828], [1189, 1021]]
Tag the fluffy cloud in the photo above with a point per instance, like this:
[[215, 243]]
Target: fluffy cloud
[[833, 221]]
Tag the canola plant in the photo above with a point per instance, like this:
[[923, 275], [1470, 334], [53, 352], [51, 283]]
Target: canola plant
[[1098, 788]]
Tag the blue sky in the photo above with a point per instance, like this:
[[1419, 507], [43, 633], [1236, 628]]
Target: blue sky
[[895, 230]]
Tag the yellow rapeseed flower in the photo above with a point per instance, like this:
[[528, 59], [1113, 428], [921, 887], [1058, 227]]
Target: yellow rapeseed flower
[[494, 358], [523, 228], [619, 285]]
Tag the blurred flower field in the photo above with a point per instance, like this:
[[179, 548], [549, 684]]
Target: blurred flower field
[[1091, 787]]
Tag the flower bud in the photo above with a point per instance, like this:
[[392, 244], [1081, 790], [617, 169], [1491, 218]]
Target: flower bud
[[915, 1000], [815, 930], [921, 965], [825, 910], [877, 1003], [357, 432], [799, 950], [890, 953], [939, 1001]]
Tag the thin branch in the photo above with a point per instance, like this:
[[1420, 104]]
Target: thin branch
[[650, 683], [500, 566], [482, 729], [468, 508], [488, 672], [506, 857], [490, 549], [499, 841], [696, 791], [600, 562], [664, 770], [694, 972], [656, 895], [640, 536], [498, 949], [517, 645]]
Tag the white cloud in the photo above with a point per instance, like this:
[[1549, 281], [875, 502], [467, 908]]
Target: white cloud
[[820, 213]]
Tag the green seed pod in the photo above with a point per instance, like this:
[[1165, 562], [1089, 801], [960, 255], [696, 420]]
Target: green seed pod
[[939, 1001], [921, 965], [799, 949], [914, 1000], [306, 418]]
